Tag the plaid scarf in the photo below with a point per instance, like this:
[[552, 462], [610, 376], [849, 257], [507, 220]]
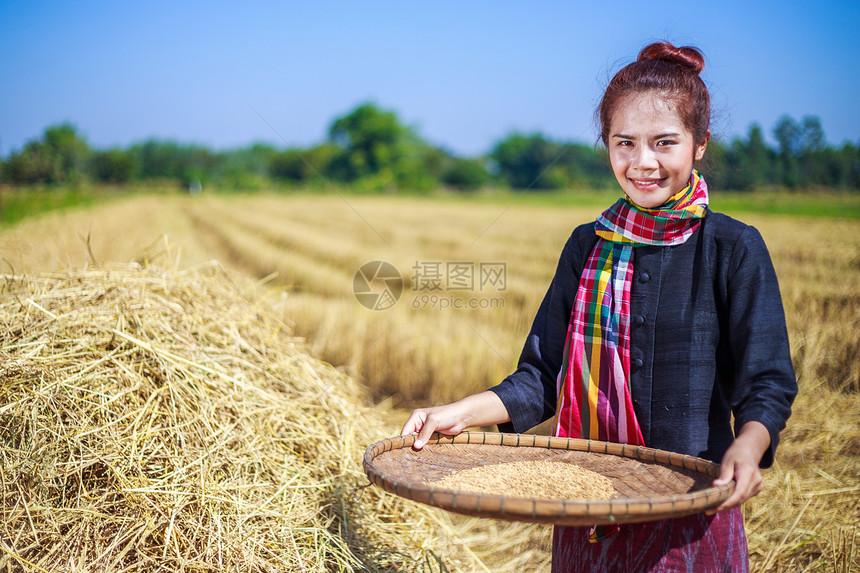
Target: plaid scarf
[[593, 384]]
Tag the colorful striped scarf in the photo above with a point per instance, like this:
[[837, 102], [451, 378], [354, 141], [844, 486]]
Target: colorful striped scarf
[[593, 384]]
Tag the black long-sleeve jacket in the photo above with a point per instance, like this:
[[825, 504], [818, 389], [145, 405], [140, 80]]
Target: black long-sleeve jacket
[[707, 341]]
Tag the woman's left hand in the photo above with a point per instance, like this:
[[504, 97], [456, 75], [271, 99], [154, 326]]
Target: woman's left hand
[[740, 463]]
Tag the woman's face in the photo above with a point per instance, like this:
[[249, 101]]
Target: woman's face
[[651, 152]]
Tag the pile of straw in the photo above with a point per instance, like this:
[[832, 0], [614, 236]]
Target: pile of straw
[[155, 420]]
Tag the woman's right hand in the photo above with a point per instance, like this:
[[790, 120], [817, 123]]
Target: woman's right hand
[[481, 409], [447, 419]]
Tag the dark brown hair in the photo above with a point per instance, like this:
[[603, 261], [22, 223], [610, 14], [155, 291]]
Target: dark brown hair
[[674, 74]]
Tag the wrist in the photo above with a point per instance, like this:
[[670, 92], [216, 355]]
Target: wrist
[[754, 437], [483, 409]]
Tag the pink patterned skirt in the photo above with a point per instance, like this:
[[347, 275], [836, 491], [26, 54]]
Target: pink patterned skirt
[[695, 544]]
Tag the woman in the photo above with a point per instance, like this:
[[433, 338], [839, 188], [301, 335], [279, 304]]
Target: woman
[[662, 326]]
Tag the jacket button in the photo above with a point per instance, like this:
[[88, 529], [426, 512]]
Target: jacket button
[[644, 277], [638, 362], [638, 320]]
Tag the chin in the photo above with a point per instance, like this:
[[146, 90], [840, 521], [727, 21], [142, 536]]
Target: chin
[[644, 202]]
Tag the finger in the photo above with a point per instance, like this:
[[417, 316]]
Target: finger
[[744, 482], [727, 471], [748, 483], [735, 499], [412, 424], [754, 484], [425, 433]]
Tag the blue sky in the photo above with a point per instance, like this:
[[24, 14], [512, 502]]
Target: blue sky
[[464, 74]]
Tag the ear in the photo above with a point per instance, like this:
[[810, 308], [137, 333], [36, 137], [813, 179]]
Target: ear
[[700, 149]]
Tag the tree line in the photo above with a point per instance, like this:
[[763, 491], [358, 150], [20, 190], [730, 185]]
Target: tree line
[[370, 148]]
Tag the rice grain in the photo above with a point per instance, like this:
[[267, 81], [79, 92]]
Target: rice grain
[[539, 479]]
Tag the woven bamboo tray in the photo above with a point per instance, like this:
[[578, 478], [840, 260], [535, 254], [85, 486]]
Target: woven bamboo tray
[[651, 484]]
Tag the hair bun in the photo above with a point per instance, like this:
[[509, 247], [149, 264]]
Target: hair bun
[[685, 56]]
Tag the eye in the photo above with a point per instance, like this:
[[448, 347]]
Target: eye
[[665, 142]]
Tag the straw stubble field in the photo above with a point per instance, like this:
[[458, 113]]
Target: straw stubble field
[[307, 249]]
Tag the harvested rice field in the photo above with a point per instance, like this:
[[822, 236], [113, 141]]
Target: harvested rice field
[[188, 383], [168, 421]]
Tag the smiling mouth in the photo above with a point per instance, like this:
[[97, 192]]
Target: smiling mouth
[[644, 182]]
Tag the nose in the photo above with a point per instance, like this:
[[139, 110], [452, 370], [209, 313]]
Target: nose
[[645, 157]]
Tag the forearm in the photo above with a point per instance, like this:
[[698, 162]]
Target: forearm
[[755, 438], [481, 409]]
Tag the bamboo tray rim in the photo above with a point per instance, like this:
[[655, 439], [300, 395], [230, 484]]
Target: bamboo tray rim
[[545, 510]]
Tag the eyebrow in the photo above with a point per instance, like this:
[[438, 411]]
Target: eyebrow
[[660, 136]]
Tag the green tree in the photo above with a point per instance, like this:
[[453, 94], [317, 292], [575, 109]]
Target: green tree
[[170, 160], [247, 168], [524, 161], [747, 163], [466, 174], [849, 159], [370, 140], [253, 160], [811, 135], [584, 165], [760, 157], [537, 162], [740, 173], [116, 166], [715, 166], [157, 159], [789, 137], [377, 151], [815, 161], [302, 165], [60, 156], [70, 149], [30, 166]]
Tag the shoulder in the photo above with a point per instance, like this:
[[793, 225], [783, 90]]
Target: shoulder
[[578, 245], [735, 246], [725, 227], [575, 252], [582, 239], [731, 236]]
